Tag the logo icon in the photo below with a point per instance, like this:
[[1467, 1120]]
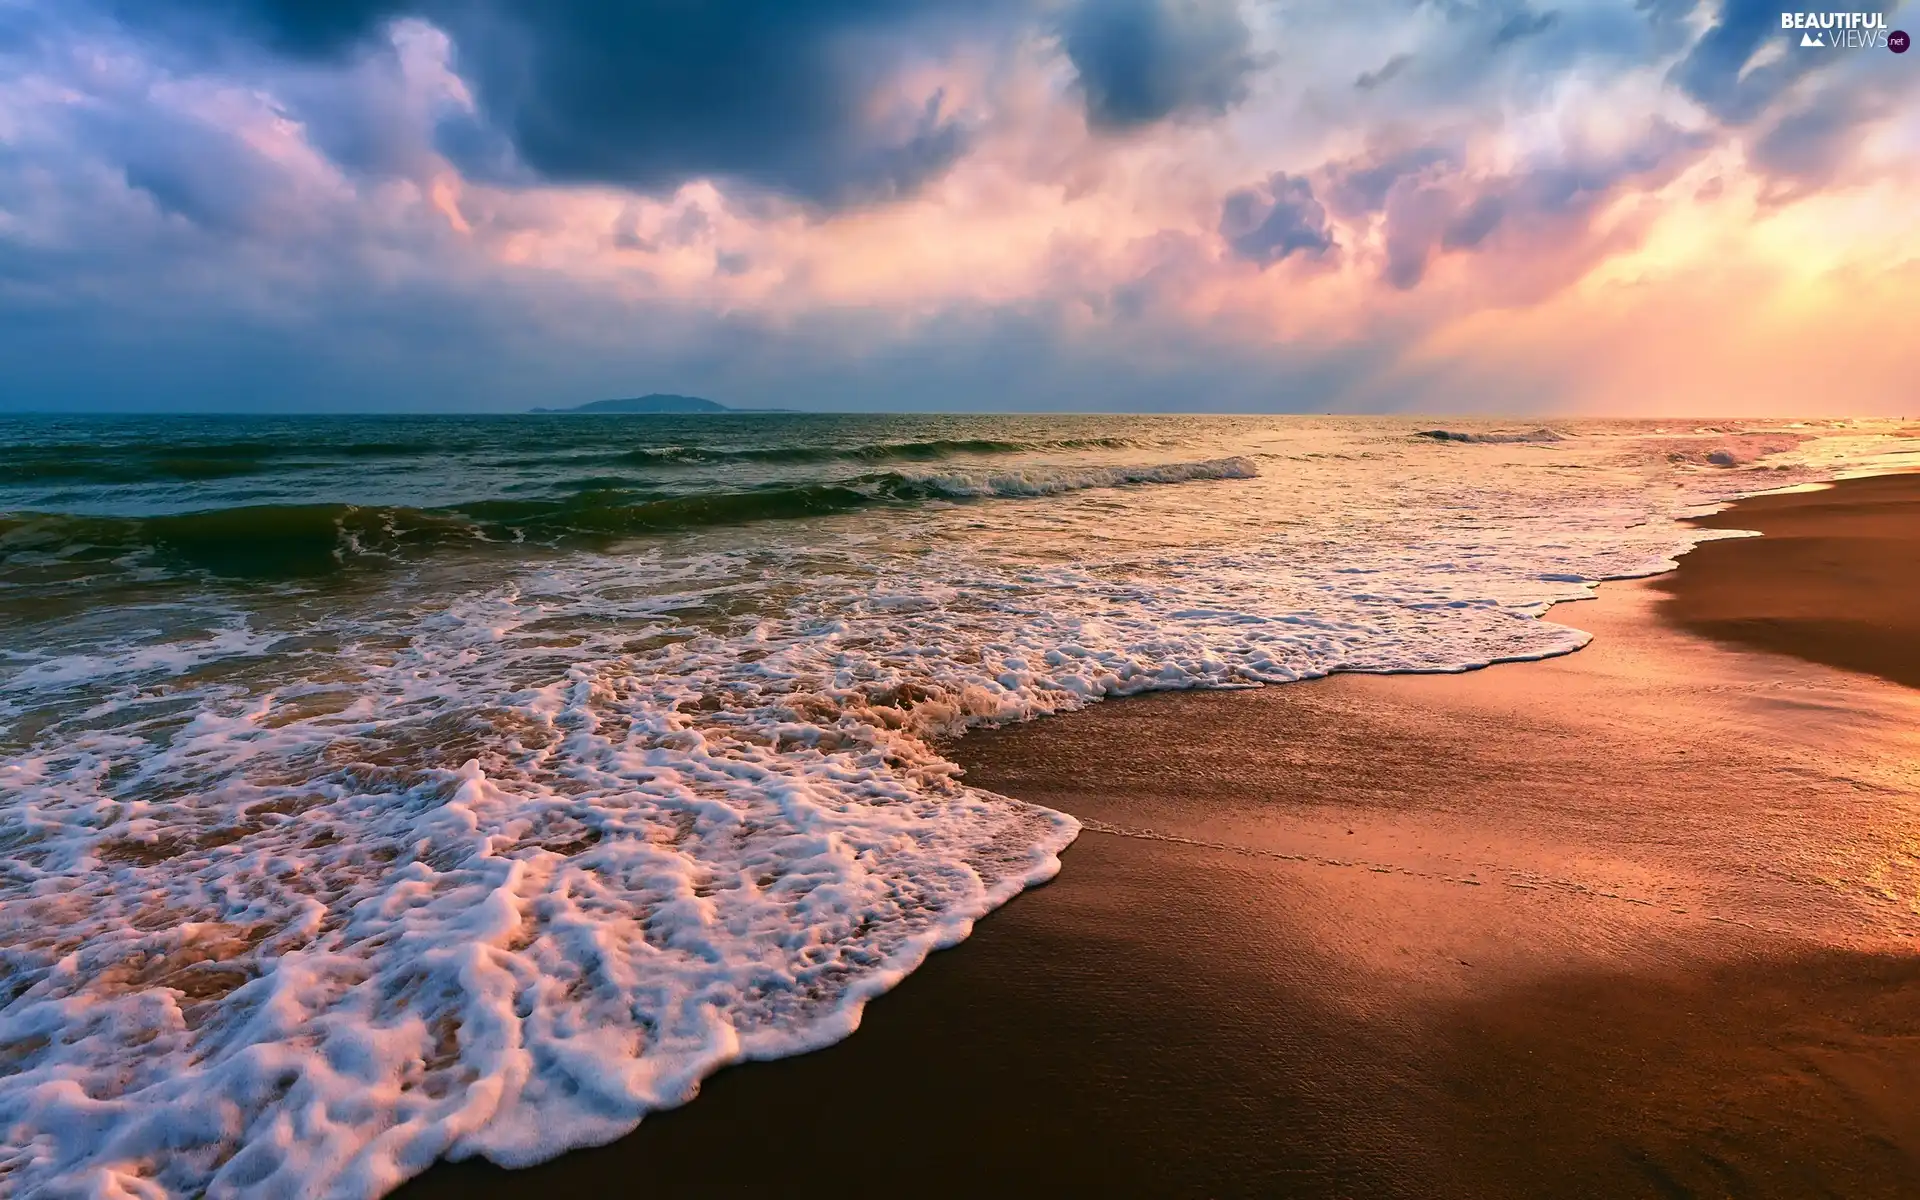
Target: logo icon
[[1898, 41], [1813, 39]]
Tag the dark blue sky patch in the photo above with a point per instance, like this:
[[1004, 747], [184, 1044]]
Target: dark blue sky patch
[[1143, 61], [1713, 71]]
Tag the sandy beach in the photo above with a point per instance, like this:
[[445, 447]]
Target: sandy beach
[[1638, 921], [1832, 581]]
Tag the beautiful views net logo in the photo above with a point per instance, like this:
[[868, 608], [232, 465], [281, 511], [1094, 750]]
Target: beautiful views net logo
[[1841, 30]]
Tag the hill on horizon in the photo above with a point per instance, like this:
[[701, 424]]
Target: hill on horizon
[[655, 402]]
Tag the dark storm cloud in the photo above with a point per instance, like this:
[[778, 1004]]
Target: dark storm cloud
[[301, 28], [650, 93], [1142, 61], [1265, 224]]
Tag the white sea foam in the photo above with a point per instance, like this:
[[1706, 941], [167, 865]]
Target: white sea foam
[[1737, 451], [43, 670], [1055, 480], [500, 870]]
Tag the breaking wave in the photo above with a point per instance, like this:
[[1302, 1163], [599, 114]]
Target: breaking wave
[[1538, 436], [1737, 450], [922, 451], [288, 541], [303, 888]]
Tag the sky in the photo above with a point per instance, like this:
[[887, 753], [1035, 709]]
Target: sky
[[1626, 207]]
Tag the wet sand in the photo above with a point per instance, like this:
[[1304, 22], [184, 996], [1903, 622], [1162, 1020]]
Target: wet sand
[[1836, 579], [1640, 921]]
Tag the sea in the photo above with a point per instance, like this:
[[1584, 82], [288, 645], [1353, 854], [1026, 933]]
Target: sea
[[381, 789]]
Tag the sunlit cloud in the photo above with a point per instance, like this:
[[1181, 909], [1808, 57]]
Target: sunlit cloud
[[1428, 206]]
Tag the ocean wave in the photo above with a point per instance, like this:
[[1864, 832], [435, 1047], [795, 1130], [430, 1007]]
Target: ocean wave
[[292, 541], [1050, 481], [308, 897], [1738, 450], [269, 541], [1533, 436], [936, 448], [506, 872], [188, 462], [506, 901]]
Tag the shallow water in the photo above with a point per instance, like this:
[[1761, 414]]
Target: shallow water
[[377, 789]]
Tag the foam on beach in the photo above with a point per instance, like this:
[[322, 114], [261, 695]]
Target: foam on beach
[[310, 895]]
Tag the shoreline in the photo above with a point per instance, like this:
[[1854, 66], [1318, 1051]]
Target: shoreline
[[1826, 581], [1344, 936]]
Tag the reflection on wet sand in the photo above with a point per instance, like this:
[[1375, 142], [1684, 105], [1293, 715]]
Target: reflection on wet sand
[[1638, 921]]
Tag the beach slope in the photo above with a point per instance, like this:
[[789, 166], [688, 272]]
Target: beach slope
[[1835, 579], [1634, 922]]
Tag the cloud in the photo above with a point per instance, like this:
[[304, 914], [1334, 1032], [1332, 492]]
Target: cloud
[[649, 94], [1266, 224], [195, 171], [1416, 219], [1806, 114], [373, 109], [1811, 144], [876, 203], [1723, 70], [1473, 59], [1366, 81], [1428, 200], [95, 147], [1358, 187], [836, 103], [1143, 61], [1473, 222], [1523, 24], [301, 28]]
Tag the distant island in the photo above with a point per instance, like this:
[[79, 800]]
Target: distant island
[[659, 403]]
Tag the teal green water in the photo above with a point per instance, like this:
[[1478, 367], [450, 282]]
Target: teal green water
[[276, 498]]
